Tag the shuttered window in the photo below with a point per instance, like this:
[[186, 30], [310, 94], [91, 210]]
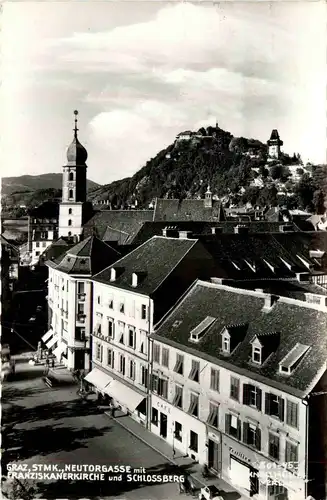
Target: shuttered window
[[214, 380], [252, 396], [274, 406]]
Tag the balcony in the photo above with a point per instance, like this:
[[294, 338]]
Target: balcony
[[81, 297]]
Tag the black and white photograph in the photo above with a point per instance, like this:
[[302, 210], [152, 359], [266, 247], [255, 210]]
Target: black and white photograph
[[163, 250]]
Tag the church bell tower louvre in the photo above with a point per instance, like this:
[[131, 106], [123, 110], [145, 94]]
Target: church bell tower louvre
[[74, 189]]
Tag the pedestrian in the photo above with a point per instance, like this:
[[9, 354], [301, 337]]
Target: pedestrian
[[113, 411]]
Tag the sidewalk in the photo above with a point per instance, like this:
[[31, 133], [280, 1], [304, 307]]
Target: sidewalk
[[160, 446]]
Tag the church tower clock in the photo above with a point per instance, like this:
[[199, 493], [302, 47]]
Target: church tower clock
[[73, 206]]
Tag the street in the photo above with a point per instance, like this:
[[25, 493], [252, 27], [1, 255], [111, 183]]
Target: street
[[43, 426]]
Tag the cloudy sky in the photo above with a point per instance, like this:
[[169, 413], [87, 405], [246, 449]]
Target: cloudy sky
[[140, 72]]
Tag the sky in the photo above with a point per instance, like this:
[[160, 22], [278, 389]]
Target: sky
[[140, 72]]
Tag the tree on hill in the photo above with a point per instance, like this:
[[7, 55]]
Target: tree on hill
[[318, 201]]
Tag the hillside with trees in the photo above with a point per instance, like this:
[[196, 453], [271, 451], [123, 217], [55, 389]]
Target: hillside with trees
[[236, 168]]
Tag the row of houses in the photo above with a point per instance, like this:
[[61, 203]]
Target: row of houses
[[216, 344]]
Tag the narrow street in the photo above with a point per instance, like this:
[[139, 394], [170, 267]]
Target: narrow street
[[43, 425]]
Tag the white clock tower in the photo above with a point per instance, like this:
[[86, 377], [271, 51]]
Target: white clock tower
[[73, 206]]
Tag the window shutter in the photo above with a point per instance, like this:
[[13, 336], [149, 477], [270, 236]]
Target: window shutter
[[267, 403], [245, 394], [245, 432], [258, 439], [227, 423], [239, 429], [259, 399], [281, 410], [113, 359]]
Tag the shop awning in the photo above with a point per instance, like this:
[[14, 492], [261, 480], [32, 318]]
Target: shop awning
[[59, 350], [124, 395], [47, 335], [52, 341], [98, 378]]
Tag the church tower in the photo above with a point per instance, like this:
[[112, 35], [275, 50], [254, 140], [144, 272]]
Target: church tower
[[73, 205], [274, 145], [208, 198]]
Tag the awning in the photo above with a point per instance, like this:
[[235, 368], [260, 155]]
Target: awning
[[98, 378], [47, 335], [124, 395], [59, 350], [52, 341]]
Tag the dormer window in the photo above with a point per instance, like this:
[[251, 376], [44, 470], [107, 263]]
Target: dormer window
[[199, 331], [256, 354], [293, 358], [225, 342], [112, 274]]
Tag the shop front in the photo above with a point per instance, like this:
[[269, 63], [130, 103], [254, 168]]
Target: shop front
[[256, 476], [129, 400], [184, 433]]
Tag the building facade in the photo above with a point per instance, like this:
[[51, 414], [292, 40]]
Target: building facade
[[42, 229], [70, 300], [231, 387]]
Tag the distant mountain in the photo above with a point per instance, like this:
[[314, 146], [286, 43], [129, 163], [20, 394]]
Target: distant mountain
[[28, 183]]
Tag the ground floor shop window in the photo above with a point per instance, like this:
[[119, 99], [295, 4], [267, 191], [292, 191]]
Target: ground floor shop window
[[141, 409], [194, 441], [178, 431], [154, 416]]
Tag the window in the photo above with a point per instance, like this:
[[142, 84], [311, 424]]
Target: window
[[160, 386], [274, 406], [252, 435], [144, 376], [178, 431], [131, 337], [99, 300], [178, 398], [193, 441], [235, 388], [156, 353], [256, 355], [226, 343], [44, 243], [69, 233], [122, 364], [71, 176], [80, 287], [37, 253], [155, 383], [165, 357], [98, 328], [37, 244], [143, 311], [154, 416], [132, 369], [194, 373], [111, 302], [69, 222], [214, 380], [194, 405], [80, 308], [71, 194], [292, 410], [122, 307], [111, 329], [70, 211], [233, 426], [252, 396], [213, 419], [291, 453], [273, 447], [98, 352], [110, 358], [121, 332], [179, 365]]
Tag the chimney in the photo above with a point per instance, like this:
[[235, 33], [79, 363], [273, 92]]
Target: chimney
[[112, 274], [134, 279], [269, 301], [184, 235], [75, 238], [241, 229], [216, 230]]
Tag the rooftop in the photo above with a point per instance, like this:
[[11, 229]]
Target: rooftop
[[86, 257], [288, 323], [187, 209], [154, 260]]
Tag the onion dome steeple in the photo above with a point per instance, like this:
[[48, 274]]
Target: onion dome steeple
[[76, 153]]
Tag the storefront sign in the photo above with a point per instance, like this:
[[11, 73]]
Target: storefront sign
[[163, 407], [239, 454]]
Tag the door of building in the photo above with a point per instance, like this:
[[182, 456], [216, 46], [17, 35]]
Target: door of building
[[213, 455], [163, 425], [79, 360]]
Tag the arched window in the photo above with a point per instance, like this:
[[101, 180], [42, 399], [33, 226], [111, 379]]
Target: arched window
[[71, 193], [71, 176], [70, 211], [69, 222], [69, 233]]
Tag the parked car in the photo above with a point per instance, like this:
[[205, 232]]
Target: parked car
[[210, 493]]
